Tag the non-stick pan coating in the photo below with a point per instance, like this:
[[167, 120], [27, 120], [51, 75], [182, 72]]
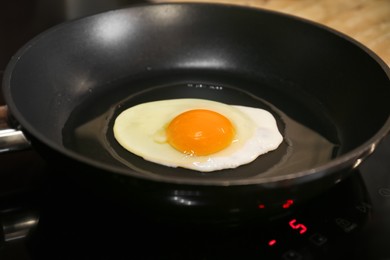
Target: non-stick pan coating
[[305, 74]]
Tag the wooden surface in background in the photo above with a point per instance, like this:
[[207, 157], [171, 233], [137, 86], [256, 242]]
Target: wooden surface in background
[[367, 21]]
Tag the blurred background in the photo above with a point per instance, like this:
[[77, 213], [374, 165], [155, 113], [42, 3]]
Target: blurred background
[[367, 21]]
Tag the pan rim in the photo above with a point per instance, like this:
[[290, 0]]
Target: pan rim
[[348, 160]]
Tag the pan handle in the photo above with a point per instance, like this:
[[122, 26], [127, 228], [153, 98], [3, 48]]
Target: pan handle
[[11, 139]]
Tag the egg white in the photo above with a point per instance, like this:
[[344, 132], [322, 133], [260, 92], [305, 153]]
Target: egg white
[[141, 130]]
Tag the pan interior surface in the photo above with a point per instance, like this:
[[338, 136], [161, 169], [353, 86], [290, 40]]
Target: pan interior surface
[[310, 144]]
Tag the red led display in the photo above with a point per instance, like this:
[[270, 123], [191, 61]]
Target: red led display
[[300, 227], [272, 242], [287, 204]]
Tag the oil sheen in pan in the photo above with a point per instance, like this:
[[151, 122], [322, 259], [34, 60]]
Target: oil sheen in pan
[[303, 146]]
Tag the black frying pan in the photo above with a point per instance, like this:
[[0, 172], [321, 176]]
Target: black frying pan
[[329, 94]]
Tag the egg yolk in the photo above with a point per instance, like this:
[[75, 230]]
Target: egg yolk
[[200, 132]]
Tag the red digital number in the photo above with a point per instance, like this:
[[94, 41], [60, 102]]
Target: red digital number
[[287, 204], [302, 228], [272, 242]]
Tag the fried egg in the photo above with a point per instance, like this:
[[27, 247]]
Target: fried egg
[[197, 134]]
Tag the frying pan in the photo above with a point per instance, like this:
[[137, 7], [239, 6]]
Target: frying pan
[[329, 94]]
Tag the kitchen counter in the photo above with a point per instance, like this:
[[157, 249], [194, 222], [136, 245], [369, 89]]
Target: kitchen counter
[[367, 21]]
